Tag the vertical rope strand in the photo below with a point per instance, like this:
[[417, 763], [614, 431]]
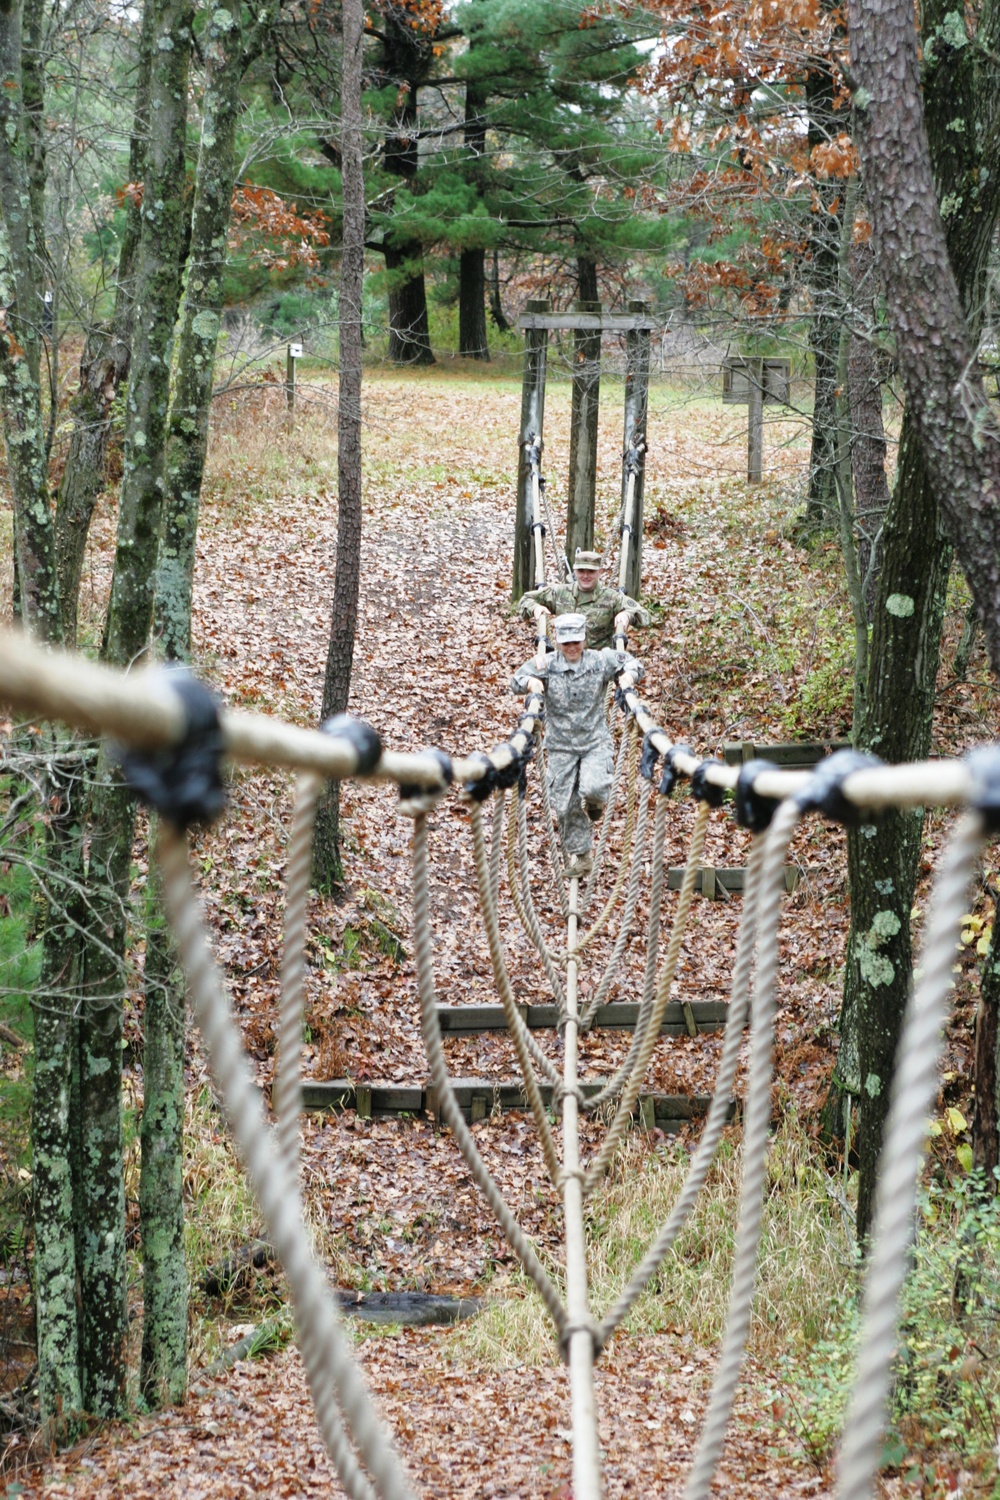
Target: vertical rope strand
[[555, 853], [623, 864], [756, 1128], [338, 1393], [914, 1087], [739, 1004], [288, 1083], [534, 927], [631, 896], [631, 1092], [602, 837], [513, 1233]]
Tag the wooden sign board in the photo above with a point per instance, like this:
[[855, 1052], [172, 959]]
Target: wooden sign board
[[740, 373]]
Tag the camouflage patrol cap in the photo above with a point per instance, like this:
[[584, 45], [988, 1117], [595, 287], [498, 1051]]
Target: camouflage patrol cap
[[570, 628], [590, 560]]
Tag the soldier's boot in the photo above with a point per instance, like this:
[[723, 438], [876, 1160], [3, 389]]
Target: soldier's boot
[[579, 865], [594, 811]]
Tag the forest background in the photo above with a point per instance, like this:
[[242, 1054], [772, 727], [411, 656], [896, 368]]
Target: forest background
[[701, 162]]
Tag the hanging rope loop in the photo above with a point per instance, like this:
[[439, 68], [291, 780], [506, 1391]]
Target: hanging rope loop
[[183, 781], [984, 794], [754, 811], [824, 792]]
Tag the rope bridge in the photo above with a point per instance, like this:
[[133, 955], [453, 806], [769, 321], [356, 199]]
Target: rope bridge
[[153, 713]]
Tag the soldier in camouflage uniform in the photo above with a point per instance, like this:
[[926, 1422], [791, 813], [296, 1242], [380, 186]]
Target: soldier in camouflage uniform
[[608, 611], [577, 737]]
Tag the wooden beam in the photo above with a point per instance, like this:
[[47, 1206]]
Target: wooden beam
[[606, 322], [472, 1020], [725, 881], [798, 756]]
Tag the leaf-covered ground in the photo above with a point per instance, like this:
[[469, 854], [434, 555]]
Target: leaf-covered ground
[[750, 641]]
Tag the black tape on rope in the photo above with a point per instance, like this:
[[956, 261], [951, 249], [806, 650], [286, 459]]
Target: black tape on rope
[[824, 791], [670, 772], [538, 526], [361, 737], [752, 810], [184, 781], [984, 770], [650, 755], [500, 777], [412, 792], [703, 790]]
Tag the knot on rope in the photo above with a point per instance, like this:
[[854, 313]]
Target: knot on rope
[[417, 799], [621, 702], [668, 780], [570, 1174], [361, 737], [650, 755], [560, 1091], [539, 526], [824, 792], [704, 790], [752, 810], [984, 770], [569, 1329], [533, 450], [183, 782]]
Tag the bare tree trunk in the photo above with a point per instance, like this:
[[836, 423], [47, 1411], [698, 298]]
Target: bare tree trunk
[[868, 446], [985, 1134], [347, 579], [496, 305], [472, 340]]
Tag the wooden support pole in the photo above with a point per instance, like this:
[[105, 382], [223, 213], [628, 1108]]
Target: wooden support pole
[[755, 422], [587, 1483], [290, 379], [583, 435], [532, 417], [634, 443]]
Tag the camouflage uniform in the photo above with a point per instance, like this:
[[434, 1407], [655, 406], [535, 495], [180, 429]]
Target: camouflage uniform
[[599, 604], [577, 737]]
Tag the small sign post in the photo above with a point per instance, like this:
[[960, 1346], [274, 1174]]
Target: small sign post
[[755, 382], [294, 353]]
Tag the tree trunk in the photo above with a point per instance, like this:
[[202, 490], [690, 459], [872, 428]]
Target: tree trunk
[[409, 333], [868, 446], [347, 579], [60, 1393], [190, 406], [932, 282], [496, 306], [159, 264], [985, 1135], [163, 1376], [104, 367], [826, 319], [472, 341], [20, 350]]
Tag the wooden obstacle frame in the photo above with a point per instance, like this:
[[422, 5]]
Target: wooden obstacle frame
[[589, 324]]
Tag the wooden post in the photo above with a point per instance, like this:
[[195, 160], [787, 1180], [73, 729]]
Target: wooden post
[[290, 379], [532, 416], [583, 435], [755, 422], [636, 405]]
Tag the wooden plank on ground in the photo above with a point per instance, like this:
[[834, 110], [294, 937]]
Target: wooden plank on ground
[[727, 881], [479, 1097], [472, 1020]]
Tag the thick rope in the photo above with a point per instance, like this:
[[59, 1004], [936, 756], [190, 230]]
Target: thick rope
[[496, 844], [562, 567], [440, 1079], [623, 866], [913, 1091], [756, 1129], [739, 1002], [338, 1392], [500, 974], [520, 1035], [614, 1084], [630, 1094], [631, 897], [288, 1083]]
